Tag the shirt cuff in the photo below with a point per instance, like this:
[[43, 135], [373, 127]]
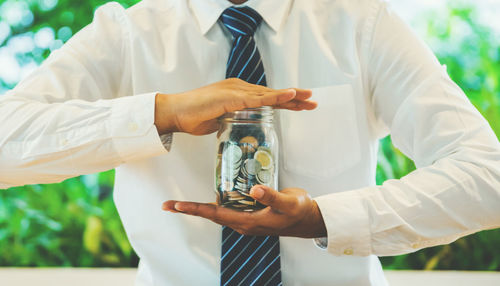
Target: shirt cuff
[[166, 140], [347, 223], [132, 128], [321, 242]]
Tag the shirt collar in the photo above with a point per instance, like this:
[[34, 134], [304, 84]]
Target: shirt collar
[[207, 12]]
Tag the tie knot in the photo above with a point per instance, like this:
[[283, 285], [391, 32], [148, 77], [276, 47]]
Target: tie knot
[[241, 21]]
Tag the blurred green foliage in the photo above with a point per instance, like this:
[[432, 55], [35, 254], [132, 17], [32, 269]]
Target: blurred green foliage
[[75, 223]]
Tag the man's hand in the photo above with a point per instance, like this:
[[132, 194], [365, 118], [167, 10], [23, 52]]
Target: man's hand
[[196, 111], [290, 212]]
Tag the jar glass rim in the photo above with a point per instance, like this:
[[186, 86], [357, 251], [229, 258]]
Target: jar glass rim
[[262, 114]]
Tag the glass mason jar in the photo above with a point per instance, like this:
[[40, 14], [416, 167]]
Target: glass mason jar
[[247, 155]]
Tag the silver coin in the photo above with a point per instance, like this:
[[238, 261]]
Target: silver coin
[[241, 188], [241, 184], [246, 194], [242, 180], [228, 175], [252, 166], [264, 177], [244, 171], [232, 154]]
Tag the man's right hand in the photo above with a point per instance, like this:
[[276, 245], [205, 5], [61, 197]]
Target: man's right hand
[[196, 111]]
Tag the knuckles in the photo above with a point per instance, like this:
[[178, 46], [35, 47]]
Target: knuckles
[[249, 229], [269, 199]]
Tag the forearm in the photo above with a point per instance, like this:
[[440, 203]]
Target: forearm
[[45, 143], [431, 206]]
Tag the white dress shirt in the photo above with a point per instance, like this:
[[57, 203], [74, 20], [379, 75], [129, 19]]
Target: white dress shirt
[[90, 107]]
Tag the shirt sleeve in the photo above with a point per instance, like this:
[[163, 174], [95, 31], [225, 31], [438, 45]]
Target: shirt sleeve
[[455, 190], [73, 115]]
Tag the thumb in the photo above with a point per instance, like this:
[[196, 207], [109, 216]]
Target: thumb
[[272, 198]]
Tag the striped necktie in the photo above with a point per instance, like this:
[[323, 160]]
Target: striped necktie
[[247, 260]]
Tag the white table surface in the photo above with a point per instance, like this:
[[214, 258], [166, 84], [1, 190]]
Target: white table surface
[[125, 277]]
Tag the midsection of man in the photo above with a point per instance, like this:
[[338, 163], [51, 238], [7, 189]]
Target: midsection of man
[[329, 150]]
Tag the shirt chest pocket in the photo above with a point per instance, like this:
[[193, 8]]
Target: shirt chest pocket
[[323, 142]]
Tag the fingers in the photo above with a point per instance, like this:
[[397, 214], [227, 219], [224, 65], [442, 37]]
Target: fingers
[[252, 96], [298, 105], [281, 96], [169, 206], [302, 94], [275, 97], [282, 99], [262, 222], [276, 200], [299, 102], [209, 211]]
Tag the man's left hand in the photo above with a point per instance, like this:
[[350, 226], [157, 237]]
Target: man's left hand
[[290, 212]]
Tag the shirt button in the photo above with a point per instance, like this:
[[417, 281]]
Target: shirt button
[[415, 245], [133, 126], [63, 142], [348, 251]]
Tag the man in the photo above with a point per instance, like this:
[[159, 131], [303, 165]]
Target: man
[[369, 75]]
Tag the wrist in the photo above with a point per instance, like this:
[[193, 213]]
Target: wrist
[[165, 117]]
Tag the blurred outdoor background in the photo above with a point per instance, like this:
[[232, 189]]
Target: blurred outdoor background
[[75, 223]]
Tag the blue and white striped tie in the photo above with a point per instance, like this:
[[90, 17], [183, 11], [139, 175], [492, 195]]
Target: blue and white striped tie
[[247, 260]]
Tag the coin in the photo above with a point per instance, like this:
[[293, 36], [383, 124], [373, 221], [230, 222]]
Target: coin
[[241, 163], [264, 148], [242, 179], [264, 177], [228, 173], [265, 159], [232, 154], [250, 140], [239, 206], [241, 188], [241, 185], [247, 148], [252, 166], [246, 194], [243, 171], [245, 202]]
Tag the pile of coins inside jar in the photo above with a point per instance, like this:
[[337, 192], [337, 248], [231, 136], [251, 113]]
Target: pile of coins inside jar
[[242, 164]]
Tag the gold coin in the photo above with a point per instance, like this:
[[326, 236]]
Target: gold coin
[[250, 203], [264, 158], [247, 148], [239, 206], [236, 198]]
